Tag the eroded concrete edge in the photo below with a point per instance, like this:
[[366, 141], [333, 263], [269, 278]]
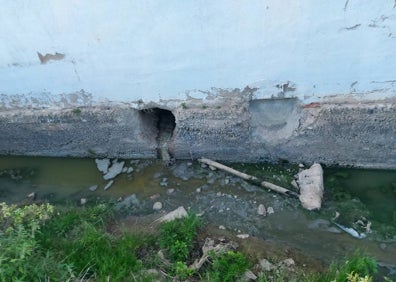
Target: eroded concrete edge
[[231, 125]]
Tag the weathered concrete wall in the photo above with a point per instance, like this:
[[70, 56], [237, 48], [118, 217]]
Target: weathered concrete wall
[[252, 80], [153, 50], [118, 132]]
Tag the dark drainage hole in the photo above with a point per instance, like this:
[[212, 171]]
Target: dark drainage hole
[[165, 123]]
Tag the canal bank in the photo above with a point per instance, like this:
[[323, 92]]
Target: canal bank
[[232, 207], [230, 125]]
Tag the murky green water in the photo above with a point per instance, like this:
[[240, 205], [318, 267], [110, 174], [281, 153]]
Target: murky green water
[[226, 200]]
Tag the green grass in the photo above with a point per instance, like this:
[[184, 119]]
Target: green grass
[[177, 237], [76, 111], [79, 238], [227, 267], [47, 243], [99, 254], [359, 264]]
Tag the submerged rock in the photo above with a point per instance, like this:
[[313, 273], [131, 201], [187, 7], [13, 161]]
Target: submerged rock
[[129, 201], [310, 182], [102, 165], [93, 188], [114, 170]]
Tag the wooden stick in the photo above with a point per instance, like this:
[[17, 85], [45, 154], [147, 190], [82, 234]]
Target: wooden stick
[[248, 177]]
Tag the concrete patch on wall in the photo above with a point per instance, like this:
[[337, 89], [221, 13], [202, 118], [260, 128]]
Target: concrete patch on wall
[[273, 120]]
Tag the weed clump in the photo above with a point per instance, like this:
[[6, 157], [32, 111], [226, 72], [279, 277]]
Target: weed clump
[[177, 237], [358, 267], [228, 266]]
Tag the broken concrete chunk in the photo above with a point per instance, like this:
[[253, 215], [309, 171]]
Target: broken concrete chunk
[[243, 236], [102, 165], [180, 212], [249, 275], [266, 265], [289, 262], [108, 185], [311, 186], [114, 170]]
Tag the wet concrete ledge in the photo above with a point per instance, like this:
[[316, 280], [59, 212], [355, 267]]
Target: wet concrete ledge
[[230, 128]]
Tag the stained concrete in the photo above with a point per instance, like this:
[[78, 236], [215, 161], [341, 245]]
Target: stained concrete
[[86, 132], [231, 127]]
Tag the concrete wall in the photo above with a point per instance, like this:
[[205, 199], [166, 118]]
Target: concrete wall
[[305, 81], [128, 50]]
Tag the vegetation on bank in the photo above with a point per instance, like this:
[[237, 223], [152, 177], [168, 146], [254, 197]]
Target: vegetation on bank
[[41, 242]]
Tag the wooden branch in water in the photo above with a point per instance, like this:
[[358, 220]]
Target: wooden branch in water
[[248, 177]]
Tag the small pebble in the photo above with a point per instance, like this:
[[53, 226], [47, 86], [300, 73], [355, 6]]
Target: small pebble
[[83, 201], [93, 188], [129, 170], [383, 246], [227, 181], [157, 206], [189, 164], [218, 194], [31, 195], [164, 182], [243, 236], [270, 210], [170, 191], [222, 227], [198, 190], [289, 262], [155, 196], [261, 210]]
